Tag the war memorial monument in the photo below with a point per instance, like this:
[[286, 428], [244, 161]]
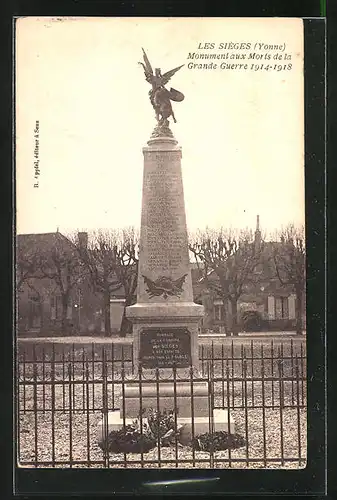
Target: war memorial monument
[[165, 319]]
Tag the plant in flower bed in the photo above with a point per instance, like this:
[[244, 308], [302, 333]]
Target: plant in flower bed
[[161, 428], [220, 440], [156, 427], [128, 440]]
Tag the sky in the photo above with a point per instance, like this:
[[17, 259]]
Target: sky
[[241, 131]]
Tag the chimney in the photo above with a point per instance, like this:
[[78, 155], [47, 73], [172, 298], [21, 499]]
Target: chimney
[[83, 240], [257, 234]]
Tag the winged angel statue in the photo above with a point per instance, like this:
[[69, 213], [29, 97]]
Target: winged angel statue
[[160, 97]]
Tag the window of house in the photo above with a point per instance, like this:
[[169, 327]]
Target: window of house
[[56, 306], [34, 313], [70, 309], [218, 312], [58, 303], [281, 308]]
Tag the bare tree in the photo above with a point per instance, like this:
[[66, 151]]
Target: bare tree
[[227, 260], [63, 265], [111, 258], [100, 259], [289, 256], [127, 251]]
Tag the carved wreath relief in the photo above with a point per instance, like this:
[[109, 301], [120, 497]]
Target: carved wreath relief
[[164, 286]]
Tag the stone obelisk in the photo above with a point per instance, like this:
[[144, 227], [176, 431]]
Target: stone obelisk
[[165, 318]]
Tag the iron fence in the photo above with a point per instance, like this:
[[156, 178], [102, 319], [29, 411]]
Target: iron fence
[[64, 396]]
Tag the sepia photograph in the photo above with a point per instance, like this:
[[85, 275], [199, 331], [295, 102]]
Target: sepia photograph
[[160, 243]]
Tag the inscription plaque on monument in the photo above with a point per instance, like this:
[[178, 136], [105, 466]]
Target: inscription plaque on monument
[[165, 347], [165, 234]]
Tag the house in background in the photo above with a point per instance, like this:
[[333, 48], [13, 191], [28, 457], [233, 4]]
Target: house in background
[[265, 304], [39, 300]]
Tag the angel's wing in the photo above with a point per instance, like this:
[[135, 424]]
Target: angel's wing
[[147, 67], [166, 76], [147, 62]]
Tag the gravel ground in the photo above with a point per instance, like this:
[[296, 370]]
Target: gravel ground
[[81, 451], [84, 426]]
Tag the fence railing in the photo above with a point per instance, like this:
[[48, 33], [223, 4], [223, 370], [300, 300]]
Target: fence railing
[[65, 396]]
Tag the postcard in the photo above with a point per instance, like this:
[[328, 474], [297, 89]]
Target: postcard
[[161, 309]]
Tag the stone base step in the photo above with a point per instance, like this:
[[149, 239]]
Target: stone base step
[[166, 389], [183, 405], [166, 396], [201, 424]]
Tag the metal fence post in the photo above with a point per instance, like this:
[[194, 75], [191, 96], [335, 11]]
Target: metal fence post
[[105, 411]]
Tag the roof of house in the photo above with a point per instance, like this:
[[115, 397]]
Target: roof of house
[[42, 241]]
